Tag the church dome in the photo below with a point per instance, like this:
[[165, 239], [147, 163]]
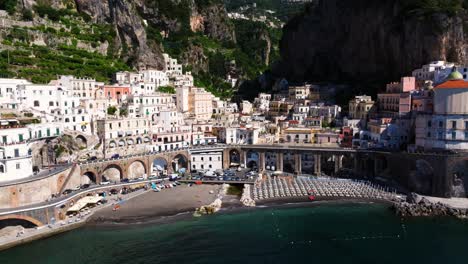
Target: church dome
[[455, 75]]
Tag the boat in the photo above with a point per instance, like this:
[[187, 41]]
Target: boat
[[311, 198]]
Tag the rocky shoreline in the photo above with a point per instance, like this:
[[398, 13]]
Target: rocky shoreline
[[416, 206]]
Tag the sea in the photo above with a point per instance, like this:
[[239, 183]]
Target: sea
[[327, 233]]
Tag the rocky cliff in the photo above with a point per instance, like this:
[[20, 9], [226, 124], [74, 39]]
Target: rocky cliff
[[367, 40], [131, 20]]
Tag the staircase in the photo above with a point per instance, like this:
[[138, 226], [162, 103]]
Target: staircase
[[70, 174]]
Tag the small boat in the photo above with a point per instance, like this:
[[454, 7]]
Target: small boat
[[311, 198]]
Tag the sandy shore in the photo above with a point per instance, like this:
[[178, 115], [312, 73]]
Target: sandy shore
[[152, 205]]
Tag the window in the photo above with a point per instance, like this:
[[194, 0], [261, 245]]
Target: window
[[51, 103], [4, 139], [18, 166], [429, 123], [454, 124], [466, 135], [36, 103], [16, 153], [441, 124], [466, 125], [428, 134], [2, 169], [454, 135], [193, 158]]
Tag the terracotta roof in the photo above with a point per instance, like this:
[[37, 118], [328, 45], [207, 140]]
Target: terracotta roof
[[461, 84]]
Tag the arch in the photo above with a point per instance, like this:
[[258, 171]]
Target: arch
[[13, 220], [130, 141], [136, 169], [271, 160], [112, 144], [146, 139], [81, 141], [88, 177], [234, 157], [159, 164], [139, 140], [121, 143], [288, 162], [112, 172], [252, 156], [252, 164], [179, 163]]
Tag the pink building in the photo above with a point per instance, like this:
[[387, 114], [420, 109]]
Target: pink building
[[397, 97]]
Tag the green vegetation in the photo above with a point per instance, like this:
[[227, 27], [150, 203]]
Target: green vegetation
[[422, 8], [167, 89], [59, 149], [111, 110], [8, 5], [235, 190]]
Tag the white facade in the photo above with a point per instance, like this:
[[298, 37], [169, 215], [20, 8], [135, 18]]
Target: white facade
[[79, 87], [9, 93], [15, 155], [207, 161], [437, 71]]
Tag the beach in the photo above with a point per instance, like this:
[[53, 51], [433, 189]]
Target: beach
[[152, 205]]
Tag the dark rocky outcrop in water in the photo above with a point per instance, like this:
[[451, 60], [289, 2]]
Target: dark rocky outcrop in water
[[368, 40]]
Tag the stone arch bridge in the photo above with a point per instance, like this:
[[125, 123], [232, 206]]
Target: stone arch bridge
[[133, 166]]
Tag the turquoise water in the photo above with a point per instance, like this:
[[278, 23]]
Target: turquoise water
[[356, 233]]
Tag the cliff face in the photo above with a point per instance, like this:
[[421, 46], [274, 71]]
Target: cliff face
[[337, 40], [131, 18]]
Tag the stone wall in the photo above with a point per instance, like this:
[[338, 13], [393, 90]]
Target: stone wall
[[33, 192]]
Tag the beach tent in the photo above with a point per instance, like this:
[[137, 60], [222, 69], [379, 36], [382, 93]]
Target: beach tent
[[83, 202]]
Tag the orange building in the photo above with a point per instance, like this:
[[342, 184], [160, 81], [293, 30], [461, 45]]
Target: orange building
[[117, 93]]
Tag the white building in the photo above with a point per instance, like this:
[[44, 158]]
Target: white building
[[79, 87], [15, 155], [9, 93], [246, 107], [447, 127], [196, 102], [438, 71], [171, 67], [207, 161]]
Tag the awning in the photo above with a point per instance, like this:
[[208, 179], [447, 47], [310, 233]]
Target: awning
[[146, 139], [130, 142], [112, 144], [129, 133], [121, 143], [84, 123], [83, 202]]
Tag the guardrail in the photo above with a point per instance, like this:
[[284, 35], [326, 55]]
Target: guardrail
[[66, 199]]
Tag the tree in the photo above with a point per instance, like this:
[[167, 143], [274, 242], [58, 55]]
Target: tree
[[123, 111], [111, 110], [167, 89]]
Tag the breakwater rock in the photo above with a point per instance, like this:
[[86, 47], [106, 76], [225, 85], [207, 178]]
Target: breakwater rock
[[415, 206]]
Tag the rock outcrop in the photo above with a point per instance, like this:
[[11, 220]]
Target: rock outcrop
[[366, 40], [130, 21], [420, 206]]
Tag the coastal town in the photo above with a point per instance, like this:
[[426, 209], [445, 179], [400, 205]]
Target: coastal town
[[75, 138]]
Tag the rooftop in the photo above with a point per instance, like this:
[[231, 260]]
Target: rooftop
[[452, 84]]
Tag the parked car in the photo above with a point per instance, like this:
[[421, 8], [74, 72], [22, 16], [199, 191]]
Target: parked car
[[92, 158], [85, 186], [124, 180], [67, 191], [105, 183], [115, 156]]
